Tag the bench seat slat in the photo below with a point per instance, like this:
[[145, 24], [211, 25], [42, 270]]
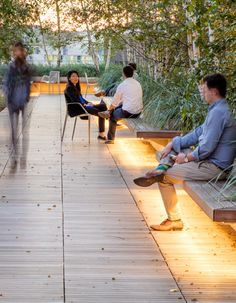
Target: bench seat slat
[[211, 200], [143, 130]]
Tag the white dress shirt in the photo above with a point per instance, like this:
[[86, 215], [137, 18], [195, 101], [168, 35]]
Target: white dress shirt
[[130, 94]]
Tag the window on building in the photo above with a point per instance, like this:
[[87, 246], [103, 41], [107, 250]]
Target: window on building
[[65, 51], [37, 50], [78, 59]]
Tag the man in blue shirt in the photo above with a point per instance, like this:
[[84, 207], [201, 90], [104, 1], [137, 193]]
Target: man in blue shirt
[[213, 155]]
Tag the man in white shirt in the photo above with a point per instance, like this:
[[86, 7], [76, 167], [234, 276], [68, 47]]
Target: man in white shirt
[[127, 102]]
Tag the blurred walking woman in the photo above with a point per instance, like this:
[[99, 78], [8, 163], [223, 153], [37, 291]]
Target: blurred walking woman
[[73, 95], [17, 91]]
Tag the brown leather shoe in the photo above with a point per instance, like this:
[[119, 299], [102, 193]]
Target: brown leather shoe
[[168, 225], [148, 181]]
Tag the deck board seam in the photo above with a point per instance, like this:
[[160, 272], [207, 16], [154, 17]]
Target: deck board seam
[[62, 210]]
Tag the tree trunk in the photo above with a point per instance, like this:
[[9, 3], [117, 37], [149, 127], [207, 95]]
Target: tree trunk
[[123, 57], [38, 16], [43, 40], [193, 49], [210, 34], [108, 59], [91, 49], [167, 58], [58, 33]]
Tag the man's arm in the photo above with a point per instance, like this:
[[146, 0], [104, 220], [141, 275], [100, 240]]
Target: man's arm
[[188, 140], [213, 131], [117, 98]]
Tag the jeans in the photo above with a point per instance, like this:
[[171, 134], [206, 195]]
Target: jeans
[[14, 122], [117, 115], [94, 110]]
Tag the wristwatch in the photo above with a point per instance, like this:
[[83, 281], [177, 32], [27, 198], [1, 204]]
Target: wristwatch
[[186, 159]]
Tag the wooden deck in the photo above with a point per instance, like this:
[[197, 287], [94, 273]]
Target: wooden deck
[[71, 229]]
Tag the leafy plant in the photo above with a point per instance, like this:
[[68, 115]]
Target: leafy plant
[[40, 70], [110, 76], [2, 103]]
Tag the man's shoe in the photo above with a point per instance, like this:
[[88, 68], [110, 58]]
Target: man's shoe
[[100, 94], [106, 114], [147, 181], [102, 138], [168, 225], [109, 142]]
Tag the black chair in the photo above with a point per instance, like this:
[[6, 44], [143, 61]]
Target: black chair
[[86, 114]]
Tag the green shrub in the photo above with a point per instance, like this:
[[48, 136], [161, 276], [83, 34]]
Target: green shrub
[[167, 106], [111, 76], [2, 103], [3, 68], [40, 70]]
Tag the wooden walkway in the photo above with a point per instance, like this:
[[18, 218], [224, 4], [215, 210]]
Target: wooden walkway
[[71, 231]]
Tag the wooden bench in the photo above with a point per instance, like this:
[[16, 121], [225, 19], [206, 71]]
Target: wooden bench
[[142, 129], [212, 196], [216, 201]]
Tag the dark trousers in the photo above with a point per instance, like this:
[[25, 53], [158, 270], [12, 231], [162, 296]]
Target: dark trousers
[[94, 110], [110, 91], [117, 115]]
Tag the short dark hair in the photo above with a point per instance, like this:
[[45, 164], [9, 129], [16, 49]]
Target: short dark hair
[[18, 44], [128, 71], [133, 65], [217, 81]]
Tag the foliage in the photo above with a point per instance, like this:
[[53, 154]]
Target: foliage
[[2, 103], [14, 15], [110, 76], [166, 104], [40, 70], [171, 106], [171, 40]]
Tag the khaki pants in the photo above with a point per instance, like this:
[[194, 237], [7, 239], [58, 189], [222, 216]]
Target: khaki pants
[[177, 174]]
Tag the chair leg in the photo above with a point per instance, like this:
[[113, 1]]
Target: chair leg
[[64, 127], [86, 90], [74, 129], [89, 128]]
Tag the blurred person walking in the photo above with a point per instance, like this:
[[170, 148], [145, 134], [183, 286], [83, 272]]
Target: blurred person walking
[[17, 93]]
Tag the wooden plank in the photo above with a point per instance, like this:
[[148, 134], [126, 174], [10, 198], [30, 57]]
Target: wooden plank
[[109, 254], [31, 250], [202, 256], [143, 130], [227, 214], [157, 134], [69, 228], [210, 200]]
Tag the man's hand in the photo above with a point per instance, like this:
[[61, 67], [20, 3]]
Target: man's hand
[[180, 158], [166, 150]]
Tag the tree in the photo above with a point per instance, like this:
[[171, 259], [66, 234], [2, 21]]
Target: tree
[[14, 17]]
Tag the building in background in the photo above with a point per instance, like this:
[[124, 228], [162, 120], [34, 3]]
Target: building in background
[[74, 53]]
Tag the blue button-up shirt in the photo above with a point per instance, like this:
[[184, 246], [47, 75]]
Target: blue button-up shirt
[[215, 138]]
